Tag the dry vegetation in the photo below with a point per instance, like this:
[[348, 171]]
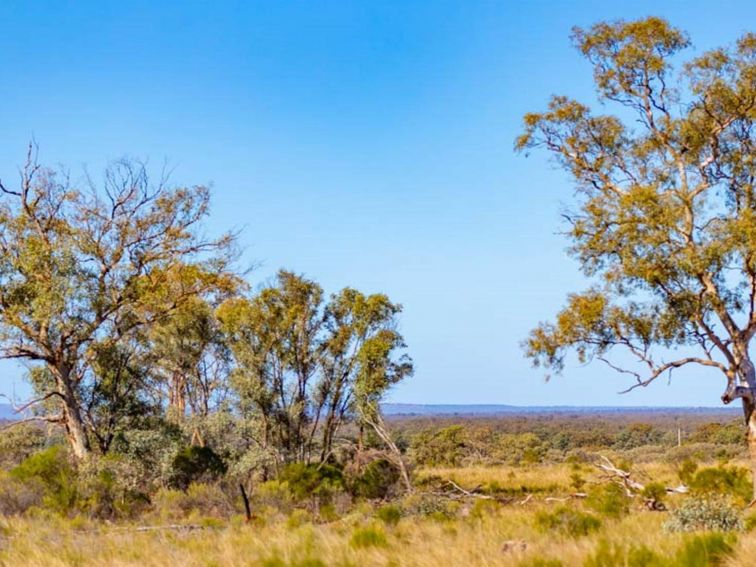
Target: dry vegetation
[[512, 512]]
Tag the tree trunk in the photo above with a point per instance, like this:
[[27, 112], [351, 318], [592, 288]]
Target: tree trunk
[[75, 430], [748, 378], [750, 415]]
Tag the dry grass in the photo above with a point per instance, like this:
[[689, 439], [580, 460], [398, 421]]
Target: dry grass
[[470, 539]]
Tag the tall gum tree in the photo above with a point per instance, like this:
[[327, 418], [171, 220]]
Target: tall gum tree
[[86, 268], [665, 219]]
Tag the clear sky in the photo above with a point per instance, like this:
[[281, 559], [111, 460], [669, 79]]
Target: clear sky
[[362, 143]]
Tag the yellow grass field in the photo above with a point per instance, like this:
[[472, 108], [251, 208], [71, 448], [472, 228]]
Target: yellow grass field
[[478, 534]]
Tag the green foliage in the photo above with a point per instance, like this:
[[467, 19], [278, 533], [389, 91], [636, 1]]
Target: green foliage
[[687, 470], [51, 471], [608, 500], [198, 500], [702, 550], [568, 521], [196, 464], [20, 442], [371, 536], [430, 506], [663, 224], [704, 513], [390, 514], [377, 480], [307, 482], [655, 491], [705, 549], [730, 481]]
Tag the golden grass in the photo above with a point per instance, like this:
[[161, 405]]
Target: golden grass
[[469, 540]]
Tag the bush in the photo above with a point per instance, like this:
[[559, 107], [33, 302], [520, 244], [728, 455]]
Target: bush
[[430, 506], [608, 500], [205, 500], [371, 536], [612, 555], [389, 514], [702, 550], [110, 487], [705, 550], [567, 521], [376, 481], [312, 482], [711, 514], [275, 494], [734, 482], [196, 464], [51, 473], [16, 497]]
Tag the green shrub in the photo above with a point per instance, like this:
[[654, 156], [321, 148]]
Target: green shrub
[[705, 550], [376, 481], [567, 521], [734, 482], [608, 500], [484, 507], [612, 555], [52, 474], [704, 513], [371, 536], [312, 482], [389, 514], [205, 500], [430, 506], [275, 494], [196, 464], [655, 491], [110, 488]]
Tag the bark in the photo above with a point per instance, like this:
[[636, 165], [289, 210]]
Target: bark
[[76, 432], [748, 379], [750, 416]]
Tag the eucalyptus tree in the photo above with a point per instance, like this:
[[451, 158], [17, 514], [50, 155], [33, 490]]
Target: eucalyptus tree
[[307, 367], [83, 268], [665, 214]]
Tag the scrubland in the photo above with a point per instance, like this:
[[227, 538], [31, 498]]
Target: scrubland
[[523, 501]]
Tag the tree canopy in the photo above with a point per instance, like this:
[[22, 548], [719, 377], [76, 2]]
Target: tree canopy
[[665, 214]]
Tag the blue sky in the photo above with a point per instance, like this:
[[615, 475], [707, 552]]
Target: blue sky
[[362, 143]]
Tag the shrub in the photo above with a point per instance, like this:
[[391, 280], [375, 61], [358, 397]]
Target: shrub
[[376, 480], [52, 474], [609, 500], [196, 464], [307, 482], [705, 550], [17, 497], [110, 487], [654, 491], [389, 514], [196, 500], [733, 481], [370, 536], [708, 513], [274, 493], [567, 521], [430, 506], [612, 555]]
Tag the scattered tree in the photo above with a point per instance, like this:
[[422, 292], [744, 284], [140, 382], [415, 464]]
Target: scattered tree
[[665, 220]]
